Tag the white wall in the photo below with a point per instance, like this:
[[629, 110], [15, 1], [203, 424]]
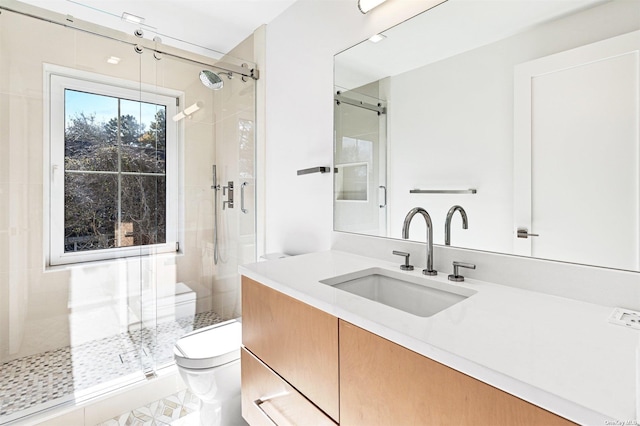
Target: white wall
[[450, 127], [299, 112]]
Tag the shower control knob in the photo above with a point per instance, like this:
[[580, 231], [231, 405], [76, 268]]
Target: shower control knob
[[228, 191]]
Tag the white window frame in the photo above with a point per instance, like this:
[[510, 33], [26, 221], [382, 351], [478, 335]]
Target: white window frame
[[56, 80]]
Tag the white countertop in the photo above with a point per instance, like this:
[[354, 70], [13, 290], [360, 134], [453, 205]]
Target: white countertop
[[558, 353]]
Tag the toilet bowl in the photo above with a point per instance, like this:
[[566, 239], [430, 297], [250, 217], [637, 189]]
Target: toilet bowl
[[208, 360]]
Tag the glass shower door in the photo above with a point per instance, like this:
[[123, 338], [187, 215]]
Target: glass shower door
[[235, 155], [107, 229], [198, 284], [360, 178], [108, 335], [67, 314]]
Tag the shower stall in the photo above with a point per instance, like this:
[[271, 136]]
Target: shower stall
[[116, 235]]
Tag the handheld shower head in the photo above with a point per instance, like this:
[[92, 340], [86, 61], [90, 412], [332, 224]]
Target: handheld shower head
[[211, 80]]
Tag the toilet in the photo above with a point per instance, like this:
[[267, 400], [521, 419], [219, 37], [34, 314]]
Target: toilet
[[209, 362], [174, 301]]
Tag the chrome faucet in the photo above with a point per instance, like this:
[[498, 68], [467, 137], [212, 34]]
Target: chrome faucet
[[447, 223], [405, 235]]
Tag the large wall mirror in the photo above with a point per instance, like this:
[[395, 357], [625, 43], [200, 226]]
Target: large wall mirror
[[524, 113]]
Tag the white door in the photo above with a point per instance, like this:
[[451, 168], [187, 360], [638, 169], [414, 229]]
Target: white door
[[577, 154]]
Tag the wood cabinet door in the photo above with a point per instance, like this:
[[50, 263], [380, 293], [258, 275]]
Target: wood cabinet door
[[297, 341], [382, 383]]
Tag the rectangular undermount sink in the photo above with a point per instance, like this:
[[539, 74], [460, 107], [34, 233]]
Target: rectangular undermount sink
[[416, 295]]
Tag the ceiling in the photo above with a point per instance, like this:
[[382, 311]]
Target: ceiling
[[208, 27]]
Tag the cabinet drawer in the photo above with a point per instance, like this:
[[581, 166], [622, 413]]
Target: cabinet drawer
[[296, 340], [269, 400], [382, 383]]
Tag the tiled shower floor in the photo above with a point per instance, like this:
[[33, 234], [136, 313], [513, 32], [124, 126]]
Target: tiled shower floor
[[42, 378]]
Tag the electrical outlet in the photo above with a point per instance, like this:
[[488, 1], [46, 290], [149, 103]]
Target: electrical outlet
[[625, 317]]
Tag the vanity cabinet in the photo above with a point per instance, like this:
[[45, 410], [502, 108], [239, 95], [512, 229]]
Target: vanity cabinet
[[382, 383], [303, 366], [297, 341]]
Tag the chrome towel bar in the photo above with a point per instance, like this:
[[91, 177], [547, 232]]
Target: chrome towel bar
[[442, 191], [319, 169]]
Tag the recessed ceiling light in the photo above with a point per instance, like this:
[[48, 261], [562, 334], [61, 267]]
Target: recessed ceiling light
[[377, 38], [134, 19], [113, 60]]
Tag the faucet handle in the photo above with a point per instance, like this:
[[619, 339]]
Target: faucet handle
[[457, 277], [406, 266]]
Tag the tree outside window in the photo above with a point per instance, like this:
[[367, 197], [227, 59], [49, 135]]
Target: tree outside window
[[114, 172]]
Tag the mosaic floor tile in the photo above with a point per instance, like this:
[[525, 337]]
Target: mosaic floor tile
[[166, 411], [29, 381], [189, 400], [170, 409]]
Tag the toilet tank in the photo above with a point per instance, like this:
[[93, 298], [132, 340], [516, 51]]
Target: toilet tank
[[179, 303]]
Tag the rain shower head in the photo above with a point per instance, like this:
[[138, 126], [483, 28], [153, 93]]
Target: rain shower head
[[211, 80]]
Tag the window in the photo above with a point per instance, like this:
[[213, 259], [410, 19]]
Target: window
[[113, 161]]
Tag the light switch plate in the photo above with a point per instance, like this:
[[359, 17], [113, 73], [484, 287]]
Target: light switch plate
[[625, 317]]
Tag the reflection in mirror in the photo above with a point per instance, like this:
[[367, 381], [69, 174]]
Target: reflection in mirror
[[360, 162], [533, 104]]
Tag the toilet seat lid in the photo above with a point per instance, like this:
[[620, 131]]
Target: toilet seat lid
[[209, 347]]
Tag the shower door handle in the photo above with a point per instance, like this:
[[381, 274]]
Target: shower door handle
[[242, 209]]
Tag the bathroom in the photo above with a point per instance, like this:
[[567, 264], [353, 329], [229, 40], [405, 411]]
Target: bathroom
[[293, 123]]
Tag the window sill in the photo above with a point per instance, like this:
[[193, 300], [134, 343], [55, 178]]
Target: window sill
[[118, 261]]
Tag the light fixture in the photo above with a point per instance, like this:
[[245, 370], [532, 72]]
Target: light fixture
[[134, 19], [113, 60], [187, 111], [193, 108], [179, 116], [367, 5], [377, 38]]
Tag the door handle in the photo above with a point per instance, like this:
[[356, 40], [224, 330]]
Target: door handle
[[383, 205], [524, 233], [242, 209]]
